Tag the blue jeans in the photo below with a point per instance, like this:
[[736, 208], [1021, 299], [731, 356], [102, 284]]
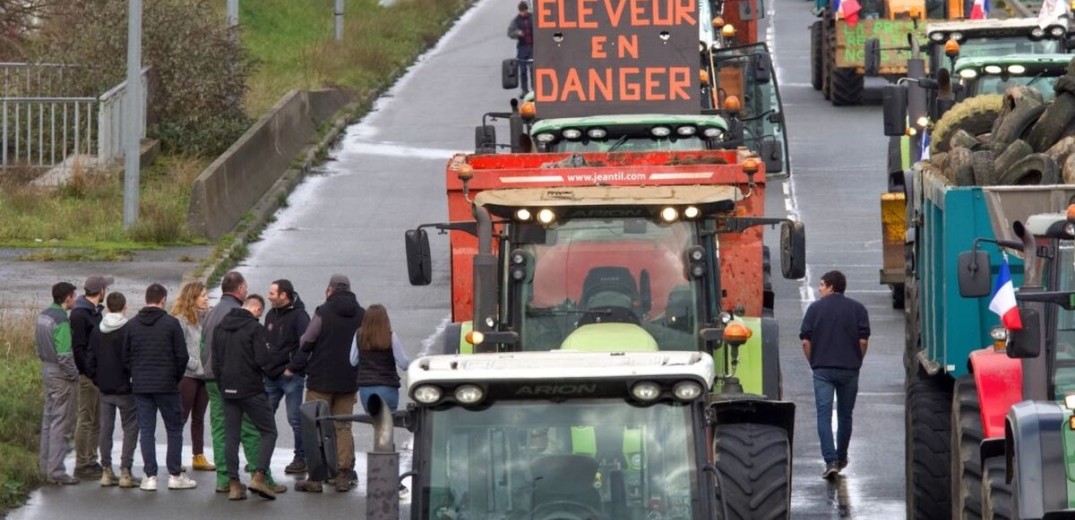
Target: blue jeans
[[524, 54], [844, 384], [389, 395], [289, 389], [171, 410]]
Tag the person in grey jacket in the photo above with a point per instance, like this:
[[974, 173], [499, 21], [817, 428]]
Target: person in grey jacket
[[52, 340], [189, 308], [521, 29]]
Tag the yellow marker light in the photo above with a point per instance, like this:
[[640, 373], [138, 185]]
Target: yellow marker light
[[736, 333], [911, 131], [474, 337], [727, 31], [951, 48], [1071, 422], [1000, 338], [703, 77], [465, 172], [1071, 212], [528, 110], [718, 22], [731, 104], [751, 165]]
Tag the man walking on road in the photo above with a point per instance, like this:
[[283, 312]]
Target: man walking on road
[[286, 322], [521, 29], [59, 375], [240, 358], [329, 374], [85, 317], [234, 289], [835, 333], [155, 353]]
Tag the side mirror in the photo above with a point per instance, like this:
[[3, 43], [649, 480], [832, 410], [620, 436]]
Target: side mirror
[[419, 261], [484, 139], [894, 106], [793, 250], [772, 152], [973, 272], [873, 57], [509, 74], [319, 440], [763, 71], [1026, 343]]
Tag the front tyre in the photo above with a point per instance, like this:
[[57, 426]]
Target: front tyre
[[753, 464]]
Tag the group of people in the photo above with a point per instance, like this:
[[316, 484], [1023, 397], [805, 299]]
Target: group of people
[[176, 363]]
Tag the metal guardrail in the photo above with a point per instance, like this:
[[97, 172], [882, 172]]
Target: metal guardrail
[[43, 124]]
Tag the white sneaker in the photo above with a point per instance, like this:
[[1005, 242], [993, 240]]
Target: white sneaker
[[181, 481], [149, 483]]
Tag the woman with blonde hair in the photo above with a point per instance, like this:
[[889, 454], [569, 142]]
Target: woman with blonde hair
[[190, 307]]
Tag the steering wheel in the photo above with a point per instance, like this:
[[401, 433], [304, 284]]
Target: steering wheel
[[565, 510], [609, 314]]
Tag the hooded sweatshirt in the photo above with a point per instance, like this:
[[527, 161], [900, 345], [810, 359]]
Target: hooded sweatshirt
[[85, 316], [329, 369], [104, 357], [285, 326], [240, 355], [155, 352]]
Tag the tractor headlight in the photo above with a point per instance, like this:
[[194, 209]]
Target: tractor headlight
[[545, 137], [523, 215], [1057, 31], [427, 394], [469, 394], [686, 130], [646, 391], [937, 36], [1016, 69], [660, 131], [596, 133], [1037, 32], [712, 132], [669, 214], [546, 216], [992, 69], [968, 74], [572, 133], [957, 36], [687, 390]]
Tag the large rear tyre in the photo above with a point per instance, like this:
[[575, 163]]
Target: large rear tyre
[[966, 460], [847, 87], [753, 464], [996, 493], [928, 416]]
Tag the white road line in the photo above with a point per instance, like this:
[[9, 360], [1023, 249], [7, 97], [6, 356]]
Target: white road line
[[428, 342]]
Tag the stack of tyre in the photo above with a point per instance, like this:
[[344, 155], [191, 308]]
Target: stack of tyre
[[1012, 139]]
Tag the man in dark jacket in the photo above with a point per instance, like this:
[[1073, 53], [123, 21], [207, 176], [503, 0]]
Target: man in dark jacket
[[240, 360], [85, 317], [521, 29], [104, 364], [285, 379], [329, 374], [155, 353]]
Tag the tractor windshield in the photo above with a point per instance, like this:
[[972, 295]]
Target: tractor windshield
[[993, 46], [633, 143], [601, 459], [999, 84], [609, 284], [1064, 353]]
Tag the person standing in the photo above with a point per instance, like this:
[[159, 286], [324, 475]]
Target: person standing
[[155, 353], [379, 353], [329, 374], [234, 290], [59, 375], [286, 322], [85, 317], [521, 29], [835, 333], [240, 358], [104, 363], [190, 308]]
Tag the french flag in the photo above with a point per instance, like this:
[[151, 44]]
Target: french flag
[[980, 10], [1003, 302]]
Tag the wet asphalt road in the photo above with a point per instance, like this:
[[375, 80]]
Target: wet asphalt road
[[387, 175]]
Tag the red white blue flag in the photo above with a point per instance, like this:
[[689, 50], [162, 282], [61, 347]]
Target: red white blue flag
[[1003, 302], [980, 10]]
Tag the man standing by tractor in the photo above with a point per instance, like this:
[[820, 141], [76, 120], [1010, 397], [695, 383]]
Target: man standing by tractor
[[522, 30], [835, 333]]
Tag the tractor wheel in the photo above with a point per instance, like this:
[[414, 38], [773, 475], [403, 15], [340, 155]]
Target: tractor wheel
[[974, 115], [847, 87], [996, 493], [816, 34], [928, 422], [753, 464], [982, 162], [828, 57], [1017, 123], [966, 461], [1010, 155]]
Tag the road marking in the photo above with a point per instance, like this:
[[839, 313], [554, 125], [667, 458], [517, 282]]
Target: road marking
[[428, 342]]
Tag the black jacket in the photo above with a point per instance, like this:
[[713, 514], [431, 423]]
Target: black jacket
[[329, 369], [104, 362], [834, 325], [85, 316], [155, 352], [377, 368], [240, 355], [285, 326]]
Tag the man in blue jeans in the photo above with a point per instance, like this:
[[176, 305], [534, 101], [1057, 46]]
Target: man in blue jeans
[[286, 323], [835, 333]]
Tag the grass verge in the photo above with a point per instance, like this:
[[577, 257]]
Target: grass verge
[[20, 409]]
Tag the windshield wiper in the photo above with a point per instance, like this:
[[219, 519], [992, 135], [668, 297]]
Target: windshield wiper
[[1036, 78], [619, 142]]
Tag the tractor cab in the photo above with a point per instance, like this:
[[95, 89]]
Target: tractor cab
[[995, 75], [629, 133], [994, 38]]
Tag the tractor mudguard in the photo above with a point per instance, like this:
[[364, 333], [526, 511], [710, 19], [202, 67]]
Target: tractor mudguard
[[756, 409], [999, 380], [1035, 454]]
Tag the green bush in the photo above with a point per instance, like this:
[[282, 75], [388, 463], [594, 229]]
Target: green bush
[[199, 67], [20, 408]]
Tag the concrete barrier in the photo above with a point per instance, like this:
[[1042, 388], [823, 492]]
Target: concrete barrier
[[236, 180]]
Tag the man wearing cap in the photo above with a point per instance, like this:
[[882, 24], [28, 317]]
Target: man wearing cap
[[86, 316], [329, 374]]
